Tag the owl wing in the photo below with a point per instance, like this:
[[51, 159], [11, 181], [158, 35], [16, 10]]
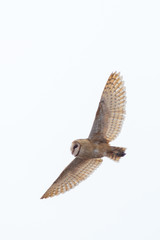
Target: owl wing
[[111, 110], [77, 171]]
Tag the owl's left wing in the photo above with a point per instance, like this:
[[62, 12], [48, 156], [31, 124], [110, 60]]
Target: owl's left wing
[[111, 110], [77, 171]]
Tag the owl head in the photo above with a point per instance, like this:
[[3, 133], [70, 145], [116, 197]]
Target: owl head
[[81, 148]]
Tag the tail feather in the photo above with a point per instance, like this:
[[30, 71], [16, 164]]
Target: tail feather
[[116, 153]]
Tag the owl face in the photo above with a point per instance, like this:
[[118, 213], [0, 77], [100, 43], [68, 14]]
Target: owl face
[[75, 148], [82, 148]]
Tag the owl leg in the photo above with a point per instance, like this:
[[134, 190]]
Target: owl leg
[[115, 153]]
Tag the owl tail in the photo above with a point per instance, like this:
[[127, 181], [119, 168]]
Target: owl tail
[[115, 153]]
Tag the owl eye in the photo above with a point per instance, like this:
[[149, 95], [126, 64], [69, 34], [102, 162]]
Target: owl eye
[[75, 148]]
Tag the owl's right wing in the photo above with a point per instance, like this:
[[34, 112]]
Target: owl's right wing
[[111, 110], [77, 171]]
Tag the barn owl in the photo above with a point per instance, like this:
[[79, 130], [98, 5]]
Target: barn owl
[[89, 152]]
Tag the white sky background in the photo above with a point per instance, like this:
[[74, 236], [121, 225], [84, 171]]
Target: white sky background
[[55, 58]]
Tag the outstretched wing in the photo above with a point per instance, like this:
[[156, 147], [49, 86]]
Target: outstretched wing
[[111, 110], [77, 171]]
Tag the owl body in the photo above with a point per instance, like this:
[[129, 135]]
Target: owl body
[[89, 152], [91, 149], [87, 148]]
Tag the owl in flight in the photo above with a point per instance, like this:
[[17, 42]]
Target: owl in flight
[[89, 152]]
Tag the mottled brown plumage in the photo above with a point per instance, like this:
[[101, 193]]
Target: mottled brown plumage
[[88, 152]]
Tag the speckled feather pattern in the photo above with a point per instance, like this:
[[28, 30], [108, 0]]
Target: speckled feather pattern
[[114, 93], [111, 110], [77, 171]]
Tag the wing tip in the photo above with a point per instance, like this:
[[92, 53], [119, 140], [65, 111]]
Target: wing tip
[[48, 194], [44, 196], [116, 75]]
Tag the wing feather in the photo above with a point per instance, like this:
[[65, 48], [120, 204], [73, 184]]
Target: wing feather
[[77, 171], [111, 110]]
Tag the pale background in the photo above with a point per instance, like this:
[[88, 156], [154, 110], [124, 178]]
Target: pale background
[[55, 58]]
